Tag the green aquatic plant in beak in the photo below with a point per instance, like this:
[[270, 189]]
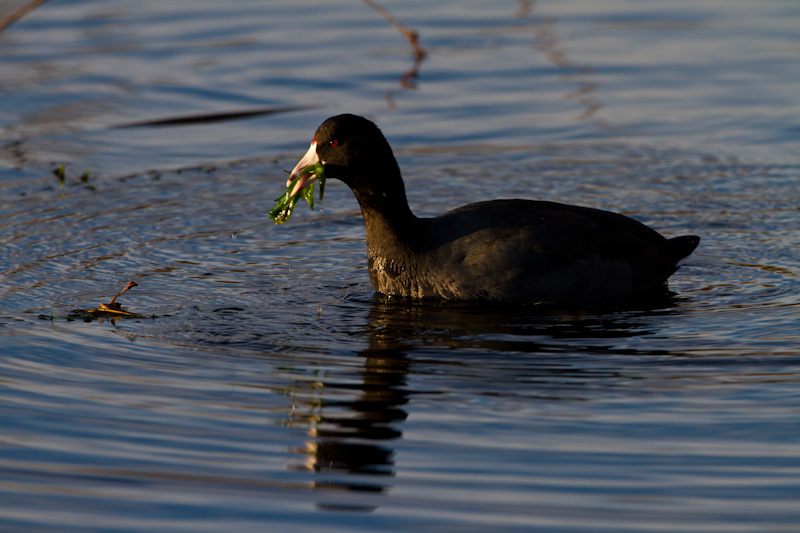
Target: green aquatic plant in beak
[[287, 201]]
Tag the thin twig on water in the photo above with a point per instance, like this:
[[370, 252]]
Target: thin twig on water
[[411, 36], [11, 18], [113, 303]]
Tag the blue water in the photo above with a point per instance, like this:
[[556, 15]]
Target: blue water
[[267, 389]]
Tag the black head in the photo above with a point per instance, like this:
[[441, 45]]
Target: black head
[[353, 150]]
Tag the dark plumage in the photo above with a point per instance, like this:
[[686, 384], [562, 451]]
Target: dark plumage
[[511, 251]]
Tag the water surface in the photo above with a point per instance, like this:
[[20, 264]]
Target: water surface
[[269, 389]]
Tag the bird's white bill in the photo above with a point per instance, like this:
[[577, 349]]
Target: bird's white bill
[[306, 179]]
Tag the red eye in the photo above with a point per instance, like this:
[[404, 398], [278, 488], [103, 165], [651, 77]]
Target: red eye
[[314, 140], [334, 143]]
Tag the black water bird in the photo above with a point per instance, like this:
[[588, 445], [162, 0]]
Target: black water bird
[[508, 251]]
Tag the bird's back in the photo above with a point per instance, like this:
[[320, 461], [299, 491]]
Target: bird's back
[[529, 251]]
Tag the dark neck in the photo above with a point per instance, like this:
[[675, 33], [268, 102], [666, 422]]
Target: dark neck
[[387, 217]]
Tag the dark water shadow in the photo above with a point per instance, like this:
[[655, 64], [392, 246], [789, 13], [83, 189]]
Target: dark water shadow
[[358, 415], [209, 118], [353, 427], [422, 323]]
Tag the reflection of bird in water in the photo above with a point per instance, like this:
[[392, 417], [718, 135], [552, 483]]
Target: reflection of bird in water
[[351, 420], [353, 414]]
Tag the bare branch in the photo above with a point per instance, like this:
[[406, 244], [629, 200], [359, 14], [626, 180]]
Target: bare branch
[[411, 36], [11, 18], [113, 303]]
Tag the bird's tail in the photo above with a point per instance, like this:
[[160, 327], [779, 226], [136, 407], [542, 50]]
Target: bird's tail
[[682, 246]]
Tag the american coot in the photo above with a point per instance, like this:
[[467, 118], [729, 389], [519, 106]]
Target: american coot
[[510, 251]]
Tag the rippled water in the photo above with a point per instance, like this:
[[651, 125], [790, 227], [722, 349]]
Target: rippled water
[[268, 389]]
